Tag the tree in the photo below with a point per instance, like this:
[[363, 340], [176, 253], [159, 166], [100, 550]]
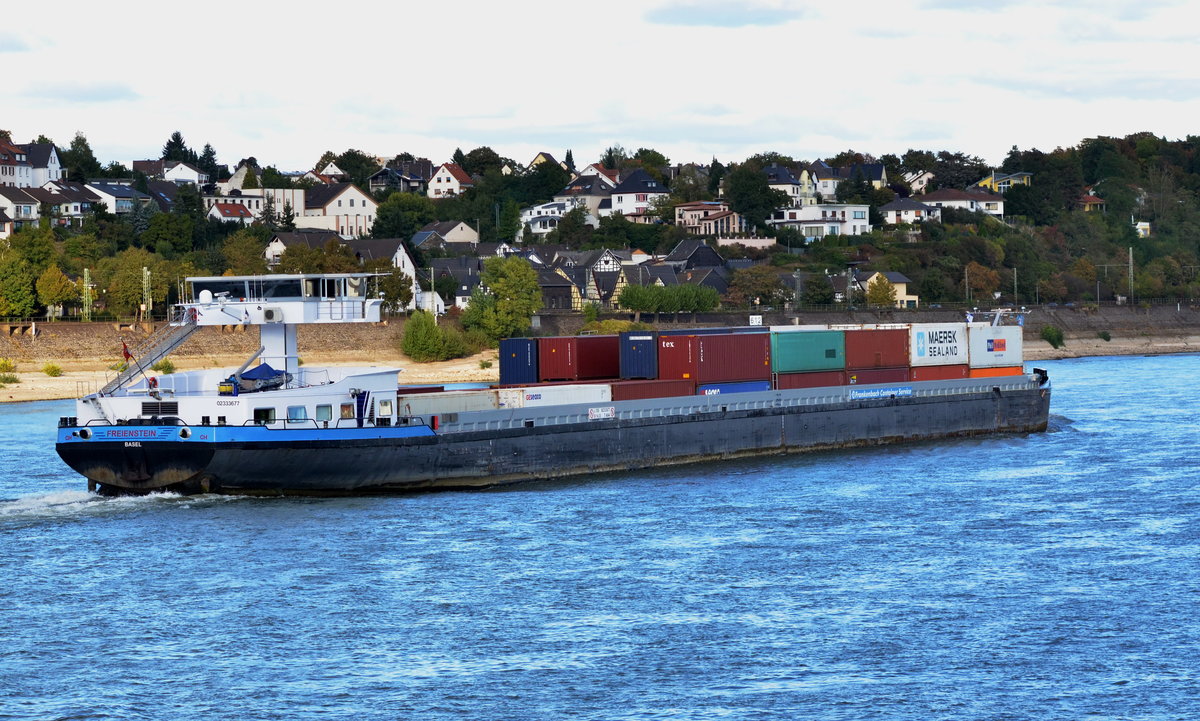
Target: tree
[[326, 158], [35, 246], [402, 215], [480, 160], [244, 253], [287, 219], [300, 258], [396, 290], [751, 196], [570, 161], [141, 215], [168, 234], [510, 221], [513, 283], [358, 166], [79, 160], [614, 157], [17, 297], [267, 215], [208, 162], [176, 149], [272, 178], [881, 292], [981, 280], [123, 276], [55, 288], [337, 257], [817, 291], [421, 341]]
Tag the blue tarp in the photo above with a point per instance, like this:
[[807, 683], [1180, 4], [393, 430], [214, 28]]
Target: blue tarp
[[260, 372]]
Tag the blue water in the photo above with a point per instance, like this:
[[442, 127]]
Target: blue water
[[1053, 576]]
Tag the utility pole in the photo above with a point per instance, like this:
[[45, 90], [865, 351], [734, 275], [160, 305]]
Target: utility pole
[[87, 296], [967, 282], [147, 300], [1015, 286], [1131, 276]]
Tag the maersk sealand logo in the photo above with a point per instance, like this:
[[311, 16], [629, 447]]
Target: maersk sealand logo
[[920, 344]]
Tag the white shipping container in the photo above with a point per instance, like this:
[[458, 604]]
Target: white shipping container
[[420, 404], [993, 346], [937, 344], [540, 396]]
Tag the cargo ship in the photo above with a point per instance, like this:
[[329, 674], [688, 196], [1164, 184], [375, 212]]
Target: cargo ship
[[564, 406]]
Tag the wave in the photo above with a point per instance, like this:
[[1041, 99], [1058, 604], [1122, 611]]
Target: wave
[[67, 504]]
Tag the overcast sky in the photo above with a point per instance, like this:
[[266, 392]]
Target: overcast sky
[[693, 79]]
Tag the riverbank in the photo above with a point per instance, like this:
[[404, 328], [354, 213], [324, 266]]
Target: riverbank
[[86, 353]]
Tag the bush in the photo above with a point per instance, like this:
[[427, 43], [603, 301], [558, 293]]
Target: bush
[[1052, 335], [52, 369], [591, 313], [485, 364], [613, 327], [6, 378], [1104, 336], [7, 366], [425, 341], [164, 366]]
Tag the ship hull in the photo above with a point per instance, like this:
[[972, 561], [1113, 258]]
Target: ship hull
[[257, 462]]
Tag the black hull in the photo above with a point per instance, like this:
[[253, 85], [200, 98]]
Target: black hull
[[485, 458]]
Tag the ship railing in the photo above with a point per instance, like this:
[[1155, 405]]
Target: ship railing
[[284, 424]]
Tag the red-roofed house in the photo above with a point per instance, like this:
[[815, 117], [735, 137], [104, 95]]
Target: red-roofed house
[[448, 180], [1090, 203], [15, 170], [231, 211]]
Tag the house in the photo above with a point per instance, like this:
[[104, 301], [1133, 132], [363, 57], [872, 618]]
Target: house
[[163, 193], [280, 242], [391, 180], [239, 179], [436, 235], [541, 219], [907, 210], [316, 178], [44, 162], [545, 158], [449, 180], [15, 168], [918, 180], [465, 272], [725, 224], [19, 207], [334, 173], [635, 194], [982, 201], [559, 292], [693, 253], [610, 175], [340, 207], [181, 173], [1001, 182], [397, 255], [586, 191], [715, 278], [798, 185], [118, 197], [688, 215], [1089, 203], [231, 212], [71, 202], [818, 221], [6, 225], [899, 281]]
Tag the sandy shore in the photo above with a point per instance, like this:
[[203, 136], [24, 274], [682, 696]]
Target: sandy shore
[[86, 376]]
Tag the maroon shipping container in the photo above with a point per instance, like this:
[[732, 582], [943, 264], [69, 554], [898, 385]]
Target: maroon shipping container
[[940, 373], [815, 379], [572, 358], [876, 348], [725, 358], [637, 390], [877, 375]]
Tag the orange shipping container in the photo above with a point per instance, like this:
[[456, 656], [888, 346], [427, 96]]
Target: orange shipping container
[[997, 372]]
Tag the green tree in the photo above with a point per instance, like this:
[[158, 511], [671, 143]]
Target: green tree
[[510, 221], [358, 165], [396, 290], [300, 258], [422, 341], [17, 296], [402, 215], [481, 160], [287, 219], [244, 253], [35, 246], [122, 276], [176, 149], [881, 292], [207, 162], [168, 234], [751, 196], [79, 160], [326, 158], [758, 284], [272, 178], [139, 218], [512, 281], [572, 230], [337, 257], [716, 173], [570, 160], [55, 288]]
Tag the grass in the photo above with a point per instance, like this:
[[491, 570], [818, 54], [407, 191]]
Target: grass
[[53, 370], [164, 366], [485, 364], [7, 366], [7, 378]]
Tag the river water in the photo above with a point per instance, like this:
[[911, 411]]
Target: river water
[[1053, 576]]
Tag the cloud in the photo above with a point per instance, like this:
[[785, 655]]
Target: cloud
[[712, 13], [12, 44], [78, 92], [1102, 88]]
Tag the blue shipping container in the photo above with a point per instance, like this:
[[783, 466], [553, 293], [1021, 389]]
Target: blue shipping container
[[518, 361], [716, 389], [639, 354]]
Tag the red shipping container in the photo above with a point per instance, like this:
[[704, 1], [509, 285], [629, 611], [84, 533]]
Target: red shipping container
[[637, 390], [876, 348], [725, 358], [940, 373], [878, 375], [572, 358], [814, 379]]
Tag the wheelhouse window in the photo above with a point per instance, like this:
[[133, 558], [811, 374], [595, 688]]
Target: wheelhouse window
[[297, 413], [263, 416], [324, 413], [385, 408], [347, 410]]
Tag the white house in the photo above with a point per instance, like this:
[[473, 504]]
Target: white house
[[340, 207], [918, 180], [907, 210], [817, 221], [20, 207], [231, 211], [798, 186], [118, 197], [635, 193], [180, 173], [44, 162], [448, 180], [368, 249], [973, 200], [15, 169]]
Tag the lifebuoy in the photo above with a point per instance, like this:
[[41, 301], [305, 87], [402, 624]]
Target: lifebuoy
[[193, 314], [152, 382]]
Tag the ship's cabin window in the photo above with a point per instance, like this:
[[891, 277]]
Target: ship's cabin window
[[263, 416], [204, 421], [324, 413], [220, 420], [385, 408], [281, 289], [347, 410], [236, 289], [297, 413], [355, 287]]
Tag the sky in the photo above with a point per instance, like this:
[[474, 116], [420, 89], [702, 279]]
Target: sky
[[693, 79]]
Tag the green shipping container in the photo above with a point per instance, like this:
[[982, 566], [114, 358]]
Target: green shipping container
[[803, 351]]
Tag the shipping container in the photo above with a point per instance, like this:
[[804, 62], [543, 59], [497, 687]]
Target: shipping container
[[876, 348], [658, 388], [811, 350], [554, 395], [715, 358], [995, 346], [938, 344], [997, 372], [716, 331], [446, 402], [940, 373], [819, 379], [639, 354], [717, 389], [413, 390], [867, 376], [572, 358], [518, 361]]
